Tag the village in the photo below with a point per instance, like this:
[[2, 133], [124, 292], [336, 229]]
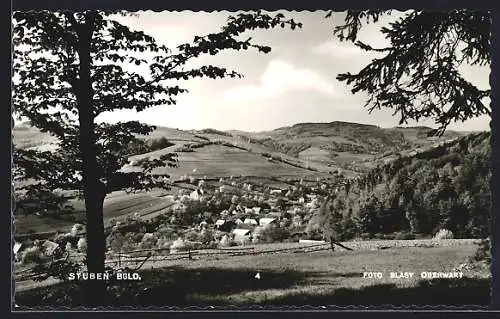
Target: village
[[254, 209], [204, 213]]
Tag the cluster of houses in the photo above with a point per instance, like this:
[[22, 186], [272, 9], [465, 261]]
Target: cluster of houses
[[243, 222]]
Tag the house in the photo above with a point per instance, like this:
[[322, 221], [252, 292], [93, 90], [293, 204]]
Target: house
[[249, 210], [276, 192], [265, 221], [256, 210], [219, 222], [238, 221], [251, 221], [241, 235]]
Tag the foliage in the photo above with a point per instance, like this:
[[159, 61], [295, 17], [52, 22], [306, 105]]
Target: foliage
[[214, 131], [59, 269], [272, 234], [443, 234], [417, 195], [71, 67], [483, 253], [418, 75], [141, 146]]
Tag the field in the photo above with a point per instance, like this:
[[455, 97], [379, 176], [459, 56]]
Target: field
[[118, 205], [223, 160], [218, 160], [298, 278]]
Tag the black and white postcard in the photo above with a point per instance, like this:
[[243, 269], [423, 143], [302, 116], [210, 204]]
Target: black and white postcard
[[171, 159]]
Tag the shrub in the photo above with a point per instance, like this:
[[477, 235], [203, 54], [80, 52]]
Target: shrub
[[75, 229], [483, 252], [159, 143], [149, 240], [366, 236], [32, 255], [138, 237], [226, 241], [274, 234], [206, 236], [404, 236], [443, 234], [68, 247], [379, 236], [166, 232], [192, 236], [82, 245], [178, 245]]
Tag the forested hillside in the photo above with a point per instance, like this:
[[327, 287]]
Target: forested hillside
[[445, 187]]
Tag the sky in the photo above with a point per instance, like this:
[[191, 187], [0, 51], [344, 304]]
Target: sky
[[295, 82]]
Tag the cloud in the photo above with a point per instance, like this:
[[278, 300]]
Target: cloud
[[337, 49], [280, 77]]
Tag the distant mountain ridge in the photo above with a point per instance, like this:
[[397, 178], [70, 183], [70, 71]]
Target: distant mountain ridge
[[321, 146]]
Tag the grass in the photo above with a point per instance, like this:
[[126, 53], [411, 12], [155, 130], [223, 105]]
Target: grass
[[315, 278], [217, 160], [118, 206]]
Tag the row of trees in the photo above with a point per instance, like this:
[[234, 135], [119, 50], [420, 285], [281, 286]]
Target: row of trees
[[442, 188]]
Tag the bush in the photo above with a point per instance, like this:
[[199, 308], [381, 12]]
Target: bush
[[443, 234], [159, 143], [178, 245], [404, 236], [192, 236], [206, 236], [483, 252], [274, 234], [226, 241], [365, 236], [167, 232], [32, 255], [138, 237], [82, 245], [149, 240]]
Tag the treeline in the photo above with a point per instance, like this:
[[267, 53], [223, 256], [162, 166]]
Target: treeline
[[141, 146], [215, 132], [446, 187]]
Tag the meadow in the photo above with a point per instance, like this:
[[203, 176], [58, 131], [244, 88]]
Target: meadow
[[293, 278]]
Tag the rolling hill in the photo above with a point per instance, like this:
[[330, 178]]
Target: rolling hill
[[304, 149]]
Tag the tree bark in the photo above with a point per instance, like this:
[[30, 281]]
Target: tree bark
[[93, 189]]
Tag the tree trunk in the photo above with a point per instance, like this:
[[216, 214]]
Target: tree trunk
[[93, 189]]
